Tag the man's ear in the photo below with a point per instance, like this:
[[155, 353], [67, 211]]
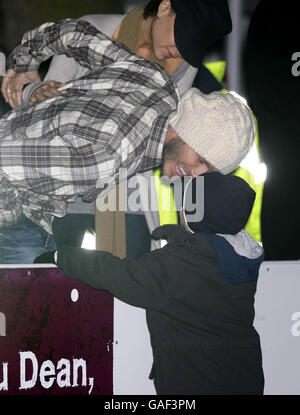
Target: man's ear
[[164, 9], [200, 169]]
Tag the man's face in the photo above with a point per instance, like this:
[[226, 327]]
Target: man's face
[[163, 37], [179, 159]]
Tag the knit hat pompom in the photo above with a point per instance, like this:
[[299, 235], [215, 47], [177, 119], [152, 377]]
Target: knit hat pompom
[[219, 127]]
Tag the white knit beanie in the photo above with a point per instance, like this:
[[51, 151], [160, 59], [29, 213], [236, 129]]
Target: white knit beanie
[[219, 127]]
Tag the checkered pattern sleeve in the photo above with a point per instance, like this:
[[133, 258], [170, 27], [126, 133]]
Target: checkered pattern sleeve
[[77, 39], [114, 117]]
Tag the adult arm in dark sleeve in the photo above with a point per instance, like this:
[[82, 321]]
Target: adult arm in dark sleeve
[[140, 283]]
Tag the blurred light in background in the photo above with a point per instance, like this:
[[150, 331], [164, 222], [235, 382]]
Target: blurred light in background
[[89, 239], [252, 163]]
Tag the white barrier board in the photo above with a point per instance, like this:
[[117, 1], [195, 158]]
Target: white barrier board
[[277, 320]]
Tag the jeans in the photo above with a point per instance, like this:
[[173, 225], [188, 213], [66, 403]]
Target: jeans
[[23, 242]]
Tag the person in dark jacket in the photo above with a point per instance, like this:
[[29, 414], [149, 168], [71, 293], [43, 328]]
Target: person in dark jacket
[[198, 292]]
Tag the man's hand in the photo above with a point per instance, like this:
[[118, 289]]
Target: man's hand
[[49, 89], [13, 83]]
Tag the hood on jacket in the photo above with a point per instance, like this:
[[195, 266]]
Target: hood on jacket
[[239, 256], [228, 201]]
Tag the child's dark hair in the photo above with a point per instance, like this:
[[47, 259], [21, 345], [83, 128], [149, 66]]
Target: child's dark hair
[[151, 8]]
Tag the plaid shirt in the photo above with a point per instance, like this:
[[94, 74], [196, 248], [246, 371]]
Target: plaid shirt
[[74, 144]]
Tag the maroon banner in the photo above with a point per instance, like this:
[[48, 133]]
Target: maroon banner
[[56, 335]]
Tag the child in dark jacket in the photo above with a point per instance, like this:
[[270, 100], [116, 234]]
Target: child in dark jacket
[[198, 292]]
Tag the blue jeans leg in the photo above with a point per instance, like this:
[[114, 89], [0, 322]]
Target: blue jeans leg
[[23, 242]]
